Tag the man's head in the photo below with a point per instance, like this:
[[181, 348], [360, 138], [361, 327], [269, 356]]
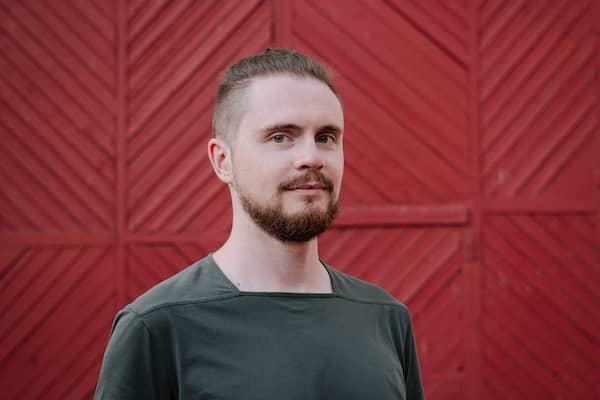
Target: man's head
[[278, 125], [228, 102]]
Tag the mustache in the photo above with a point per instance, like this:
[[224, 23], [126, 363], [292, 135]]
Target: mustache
[[312, 176]]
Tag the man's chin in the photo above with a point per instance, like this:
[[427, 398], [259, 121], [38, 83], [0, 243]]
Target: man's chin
[[306, 209], [303, 203], [293, 220], [307, 215]]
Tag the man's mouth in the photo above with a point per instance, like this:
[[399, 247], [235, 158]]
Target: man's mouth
[[309, 186], [311, 181]]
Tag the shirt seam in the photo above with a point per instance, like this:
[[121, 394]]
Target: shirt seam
[[182, 302], [242, 294], [382, 302]]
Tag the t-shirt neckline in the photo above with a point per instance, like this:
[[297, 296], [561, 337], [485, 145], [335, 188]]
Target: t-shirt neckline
[[235, 289]]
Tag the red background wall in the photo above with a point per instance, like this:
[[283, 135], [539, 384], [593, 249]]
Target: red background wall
[[471, 188]]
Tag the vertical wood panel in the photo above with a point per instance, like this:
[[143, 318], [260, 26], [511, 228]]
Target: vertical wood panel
[[539, 130], [474, 232], [121, 129]]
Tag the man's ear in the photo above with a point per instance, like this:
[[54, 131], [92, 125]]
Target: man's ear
[[219, 154]]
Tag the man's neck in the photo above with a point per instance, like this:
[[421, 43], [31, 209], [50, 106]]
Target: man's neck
[[255, 261]]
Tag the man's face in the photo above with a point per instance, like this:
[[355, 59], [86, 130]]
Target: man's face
[[288, 156]]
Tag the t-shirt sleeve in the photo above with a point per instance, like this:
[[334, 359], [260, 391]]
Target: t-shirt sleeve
[[414, 385], [131, 368]]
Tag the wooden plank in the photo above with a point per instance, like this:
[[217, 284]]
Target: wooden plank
[[390, 215]]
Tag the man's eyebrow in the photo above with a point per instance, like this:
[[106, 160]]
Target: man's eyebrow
[[294, 127], [330, 128], [281, 127]]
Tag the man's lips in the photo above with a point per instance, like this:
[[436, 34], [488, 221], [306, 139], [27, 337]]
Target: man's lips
[[312, 181], [309, 186]]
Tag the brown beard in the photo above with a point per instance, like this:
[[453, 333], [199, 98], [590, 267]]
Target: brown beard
[[300, 227]]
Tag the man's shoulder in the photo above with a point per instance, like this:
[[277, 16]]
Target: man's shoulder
[[355, 289], [198, 282]]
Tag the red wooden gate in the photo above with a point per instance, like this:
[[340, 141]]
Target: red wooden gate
[[471, 190]]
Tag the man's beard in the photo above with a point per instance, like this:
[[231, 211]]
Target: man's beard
[[299, 227]]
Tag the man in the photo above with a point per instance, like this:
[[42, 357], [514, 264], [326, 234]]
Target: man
[[262, 317]]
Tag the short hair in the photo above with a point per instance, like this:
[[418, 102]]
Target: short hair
[[239, 76]]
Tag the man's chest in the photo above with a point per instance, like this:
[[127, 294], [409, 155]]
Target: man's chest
[[277, 357]]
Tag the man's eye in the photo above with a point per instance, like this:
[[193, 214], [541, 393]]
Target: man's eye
[[326, 139], [279, 138]]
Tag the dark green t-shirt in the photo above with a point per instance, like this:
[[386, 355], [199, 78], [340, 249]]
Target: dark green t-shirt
[[196, 336]]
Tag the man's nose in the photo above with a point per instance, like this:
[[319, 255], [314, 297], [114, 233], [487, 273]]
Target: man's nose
[[308, 155]]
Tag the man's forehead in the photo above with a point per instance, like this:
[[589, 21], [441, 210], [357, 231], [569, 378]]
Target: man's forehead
[[287, 99]]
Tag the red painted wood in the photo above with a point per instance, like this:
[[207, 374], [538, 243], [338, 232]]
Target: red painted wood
[[121, 166], [389, 215], [282, 30], [473, 234], [472, 185]]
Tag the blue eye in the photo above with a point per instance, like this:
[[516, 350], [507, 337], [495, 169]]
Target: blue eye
[[279, 138], [326, 139]]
